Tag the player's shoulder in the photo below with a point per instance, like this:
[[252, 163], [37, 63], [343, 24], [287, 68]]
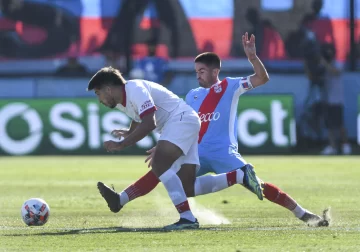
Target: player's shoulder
[[136, 84], [195, 91], [235, 82], [133, 87], [234, 79], [132, 84]]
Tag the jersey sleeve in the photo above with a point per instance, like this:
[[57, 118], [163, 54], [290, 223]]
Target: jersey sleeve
[[188, 96], [240, 85], [142, 100]]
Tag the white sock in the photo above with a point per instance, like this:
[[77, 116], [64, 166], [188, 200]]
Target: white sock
[[239, 176], [210, 183], [124, 198], [299, 211], [177, 194], [214, 183]]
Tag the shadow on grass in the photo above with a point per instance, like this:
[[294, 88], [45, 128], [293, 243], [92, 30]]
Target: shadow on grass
[[80, 231], [101, 230]]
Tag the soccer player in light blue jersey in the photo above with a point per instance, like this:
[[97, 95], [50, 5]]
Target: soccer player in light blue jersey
[[216, 103]]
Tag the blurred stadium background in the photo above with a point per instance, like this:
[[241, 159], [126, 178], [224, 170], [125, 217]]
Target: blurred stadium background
[[50, 48]]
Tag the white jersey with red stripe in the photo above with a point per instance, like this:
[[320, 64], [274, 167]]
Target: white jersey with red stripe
[[142, 97], [217, 108]]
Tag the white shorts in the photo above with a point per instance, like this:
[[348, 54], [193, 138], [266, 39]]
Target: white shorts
[[182, 129]]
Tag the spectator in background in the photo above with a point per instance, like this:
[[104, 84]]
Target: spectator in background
[[320, 24], [154, 68], [257, 28], [334, 115], [72, 68], [273, 46], [208, 46], [171, 14], [307, 47], [269, 43], [43, 28]]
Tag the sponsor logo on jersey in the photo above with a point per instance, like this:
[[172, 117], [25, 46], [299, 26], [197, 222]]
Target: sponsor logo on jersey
[[217, 88], [208, 117], [146, 105]]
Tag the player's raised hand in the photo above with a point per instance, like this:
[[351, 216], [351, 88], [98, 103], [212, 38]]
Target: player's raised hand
[[151, 153], [112, 146], [249, 45]]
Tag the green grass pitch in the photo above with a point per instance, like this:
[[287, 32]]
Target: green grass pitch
[[80, 219]]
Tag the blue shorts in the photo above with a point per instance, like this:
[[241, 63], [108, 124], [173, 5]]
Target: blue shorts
[[220, 163]]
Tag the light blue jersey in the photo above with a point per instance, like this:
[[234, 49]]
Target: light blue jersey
[[217, 109]]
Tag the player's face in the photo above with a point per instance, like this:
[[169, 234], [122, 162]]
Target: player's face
[[105, 96], [205, 75]]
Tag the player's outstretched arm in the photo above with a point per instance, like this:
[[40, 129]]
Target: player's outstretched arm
[[147, 125], [123, 133], [261, 76]]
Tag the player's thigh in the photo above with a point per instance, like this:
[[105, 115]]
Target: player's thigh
[[166, 154], [226, 163], [182, 129], [178, 139]]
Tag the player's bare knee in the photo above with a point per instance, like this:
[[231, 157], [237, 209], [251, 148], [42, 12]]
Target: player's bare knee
[[161, 164], [159, 168], [165, 155]]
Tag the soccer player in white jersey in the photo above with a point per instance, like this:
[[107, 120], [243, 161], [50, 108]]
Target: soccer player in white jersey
[[216, 102], [151, 106]]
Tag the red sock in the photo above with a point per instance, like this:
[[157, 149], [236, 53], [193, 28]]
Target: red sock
[[231, 178], [143, 186], [274, 194], [183, 207]]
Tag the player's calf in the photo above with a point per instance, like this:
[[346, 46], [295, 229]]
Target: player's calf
[[187, 175], [166, 154], [277, 196]]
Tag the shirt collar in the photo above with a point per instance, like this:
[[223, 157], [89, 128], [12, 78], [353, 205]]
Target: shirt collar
[[217, 83]]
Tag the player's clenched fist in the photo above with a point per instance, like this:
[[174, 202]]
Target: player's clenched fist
[[112, 146]]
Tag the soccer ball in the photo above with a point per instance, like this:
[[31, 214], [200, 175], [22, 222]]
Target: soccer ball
[[35, 212]]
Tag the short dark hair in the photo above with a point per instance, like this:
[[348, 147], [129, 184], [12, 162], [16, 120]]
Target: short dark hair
[[209, 58], [106, 75]]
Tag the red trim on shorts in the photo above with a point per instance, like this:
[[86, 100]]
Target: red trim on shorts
[[146, 112]]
